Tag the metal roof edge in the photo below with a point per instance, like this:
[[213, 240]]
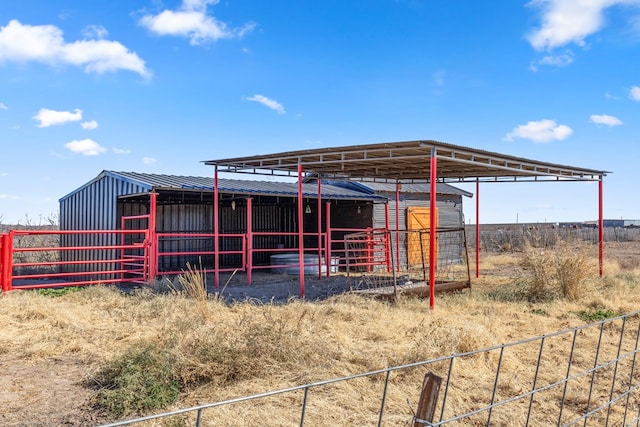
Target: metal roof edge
[[105, 173]]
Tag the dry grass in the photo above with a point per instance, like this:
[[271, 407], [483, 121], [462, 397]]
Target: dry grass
[[212, 351]]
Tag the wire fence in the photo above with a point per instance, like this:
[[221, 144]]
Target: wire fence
[[513, 237], [377, 261], [586, 375]]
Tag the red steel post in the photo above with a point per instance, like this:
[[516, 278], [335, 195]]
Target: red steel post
[[249, 239], [7, 262], [477, 228], [600, 229], [387, 241], [153, 237], [320, 228], [216, 229], [301, 230], [398, 225], [327, 237], [3, 262], [369, 251], [432, 229]]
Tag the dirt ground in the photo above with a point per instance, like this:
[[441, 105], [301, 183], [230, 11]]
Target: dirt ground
[[52, 392], [45, 393], [277, 288]]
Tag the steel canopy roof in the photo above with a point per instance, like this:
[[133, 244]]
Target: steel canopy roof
[[407, 161]]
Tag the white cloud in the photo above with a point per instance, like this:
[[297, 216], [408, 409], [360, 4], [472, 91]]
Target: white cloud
[[540, 131], [192, 21], [604, 119], [95, 32], [270, 103], [90, 125], [569, 21], [554, 60], [121, 150], [45, 44], [3, 106], [634, 93], [48, 117], [149, 160], [86, 147]]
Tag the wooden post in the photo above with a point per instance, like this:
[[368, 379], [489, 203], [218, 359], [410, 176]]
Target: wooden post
[[428, 399]]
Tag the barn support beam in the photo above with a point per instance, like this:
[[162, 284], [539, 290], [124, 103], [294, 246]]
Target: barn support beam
[[397, 226], [300, 230], [432, 228], [216, 229], [153, 237], [327, 238], [249, 252], [477, 228], [387, 240], [320, 229], [600, 228]]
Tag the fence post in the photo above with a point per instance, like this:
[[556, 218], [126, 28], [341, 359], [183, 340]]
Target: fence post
[[249, 237], [6, 254], [428, 399], [2, 263], [152, 236]]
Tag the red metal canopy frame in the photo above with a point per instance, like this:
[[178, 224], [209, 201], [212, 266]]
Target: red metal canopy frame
[[407, 162]]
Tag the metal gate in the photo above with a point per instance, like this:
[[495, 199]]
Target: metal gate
[[33, 259]]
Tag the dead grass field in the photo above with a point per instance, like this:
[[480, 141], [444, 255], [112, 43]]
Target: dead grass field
[[55, 350]]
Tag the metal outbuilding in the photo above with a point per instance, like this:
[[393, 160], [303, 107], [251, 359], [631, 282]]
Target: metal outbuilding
[[401, 163], [184, 211]]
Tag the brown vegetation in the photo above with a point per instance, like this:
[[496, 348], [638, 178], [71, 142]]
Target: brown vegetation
[[80, 347]]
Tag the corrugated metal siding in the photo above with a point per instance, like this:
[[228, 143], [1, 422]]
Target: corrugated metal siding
[[93, 207], [449, 212]]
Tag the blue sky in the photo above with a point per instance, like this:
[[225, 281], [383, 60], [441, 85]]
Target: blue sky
[[159, 86]]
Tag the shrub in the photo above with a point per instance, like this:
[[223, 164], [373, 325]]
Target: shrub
[[555, 273], [595, 316], [141, 380], [57, 292]]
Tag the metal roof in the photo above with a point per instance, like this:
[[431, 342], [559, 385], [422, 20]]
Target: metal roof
[[240, 187], [418, 188], [406, 188], [407, 161]]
